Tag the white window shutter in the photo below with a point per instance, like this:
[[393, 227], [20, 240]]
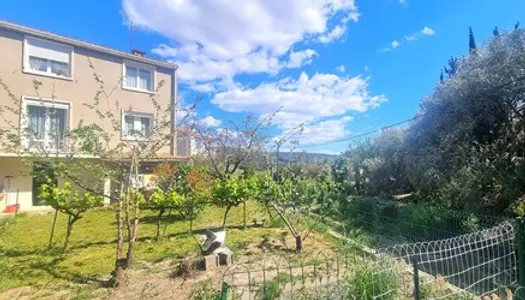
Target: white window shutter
[[48, 50]]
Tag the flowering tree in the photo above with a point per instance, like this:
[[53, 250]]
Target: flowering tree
[[183, 189]]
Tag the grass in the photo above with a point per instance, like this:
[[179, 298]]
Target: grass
[[25, 260]]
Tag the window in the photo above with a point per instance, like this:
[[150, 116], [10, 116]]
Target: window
[[138, 77], [45, 125], [136, 125], [47, 58], [43, 173]]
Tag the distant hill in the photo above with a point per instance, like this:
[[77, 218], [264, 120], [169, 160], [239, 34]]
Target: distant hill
[[307, 157]]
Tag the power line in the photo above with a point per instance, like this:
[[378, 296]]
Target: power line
[[407, 120], [352, 137]]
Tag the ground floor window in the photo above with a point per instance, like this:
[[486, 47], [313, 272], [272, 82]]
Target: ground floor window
[[41, 174]]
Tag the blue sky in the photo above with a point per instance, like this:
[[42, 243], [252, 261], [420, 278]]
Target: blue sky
[[341, 67]]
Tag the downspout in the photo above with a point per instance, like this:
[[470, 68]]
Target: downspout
[[174, 105]]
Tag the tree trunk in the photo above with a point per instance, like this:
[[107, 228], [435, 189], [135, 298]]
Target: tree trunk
[[121, 264], [159, 219], [225, 216], [166, 223], [244, 215], [120, 229], [191, 225], [269, 210], [53, 227], [118, 274], [70, 222], [134, 234], [298, 243]]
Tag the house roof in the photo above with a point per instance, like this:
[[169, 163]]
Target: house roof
[[78, 43]]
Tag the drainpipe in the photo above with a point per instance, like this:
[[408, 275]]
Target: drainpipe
[[174, 105]]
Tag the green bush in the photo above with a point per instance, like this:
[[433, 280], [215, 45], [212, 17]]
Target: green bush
[[269, 291], [276, 222], [204, 291], [368, 283], [412, 222]]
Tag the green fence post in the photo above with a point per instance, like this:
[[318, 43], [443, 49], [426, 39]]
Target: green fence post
[[520, 253], [224, 292], [417, 291]]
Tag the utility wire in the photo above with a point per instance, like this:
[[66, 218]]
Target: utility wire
[[352, 137], [522, 105]]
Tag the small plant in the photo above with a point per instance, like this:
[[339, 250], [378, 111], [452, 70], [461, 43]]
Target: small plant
[[368, 283], [269, 291], [276, 222], [204, 291]]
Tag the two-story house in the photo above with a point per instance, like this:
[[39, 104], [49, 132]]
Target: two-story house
[[63, 69], [189, 142]]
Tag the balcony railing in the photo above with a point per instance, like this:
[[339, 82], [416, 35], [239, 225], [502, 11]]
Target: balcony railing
[[46, 145]]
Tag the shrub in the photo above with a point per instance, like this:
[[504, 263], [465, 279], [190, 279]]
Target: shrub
[[269, 291], [369, 282], [204, 291]]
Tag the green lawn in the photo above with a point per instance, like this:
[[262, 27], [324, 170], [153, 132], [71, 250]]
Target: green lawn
[[25, 260]]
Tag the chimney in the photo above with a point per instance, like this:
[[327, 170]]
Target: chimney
[[138, 53]]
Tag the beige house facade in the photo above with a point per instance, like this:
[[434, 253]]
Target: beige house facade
[[47, 79]]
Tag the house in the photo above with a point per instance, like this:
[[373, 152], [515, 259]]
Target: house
[[189, 142], [46, 72]]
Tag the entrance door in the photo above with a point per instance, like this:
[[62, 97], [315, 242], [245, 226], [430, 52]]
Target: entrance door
[[41, 174]]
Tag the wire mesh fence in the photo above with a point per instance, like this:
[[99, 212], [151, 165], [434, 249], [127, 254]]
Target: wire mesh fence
[[473, 257], [479, 263], [391, 222]]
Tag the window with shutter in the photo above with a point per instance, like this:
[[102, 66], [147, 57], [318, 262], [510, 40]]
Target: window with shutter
[[47, 58]]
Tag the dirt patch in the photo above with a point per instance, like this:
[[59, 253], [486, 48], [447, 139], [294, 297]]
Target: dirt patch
[[157, 281]]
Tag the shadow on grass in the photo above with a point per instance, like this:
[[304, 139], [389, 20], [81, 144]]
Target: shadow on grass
[[165, 219], [31, 264]]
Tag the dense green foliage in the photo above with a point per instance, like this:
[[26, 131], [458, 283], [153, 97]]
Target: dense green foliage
[[465, 148], [232, 192], [69, 201], [181, 189]]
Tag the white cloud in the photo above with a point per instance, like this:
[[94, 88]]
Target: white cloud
[[203, 87], [210, 121], [340, 68], [402, 1], [219, 39], [301, 58], [394, 44], [320, 132], [325, 131], [426, 31], [334, 34], [185, 116], [302, 99]]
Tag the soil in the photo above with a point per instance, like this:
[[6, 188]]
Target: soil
[[158, 281]]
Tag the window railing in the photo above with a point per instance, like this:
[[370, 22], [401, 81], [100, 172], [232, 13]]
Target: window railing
[[47, 145]]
